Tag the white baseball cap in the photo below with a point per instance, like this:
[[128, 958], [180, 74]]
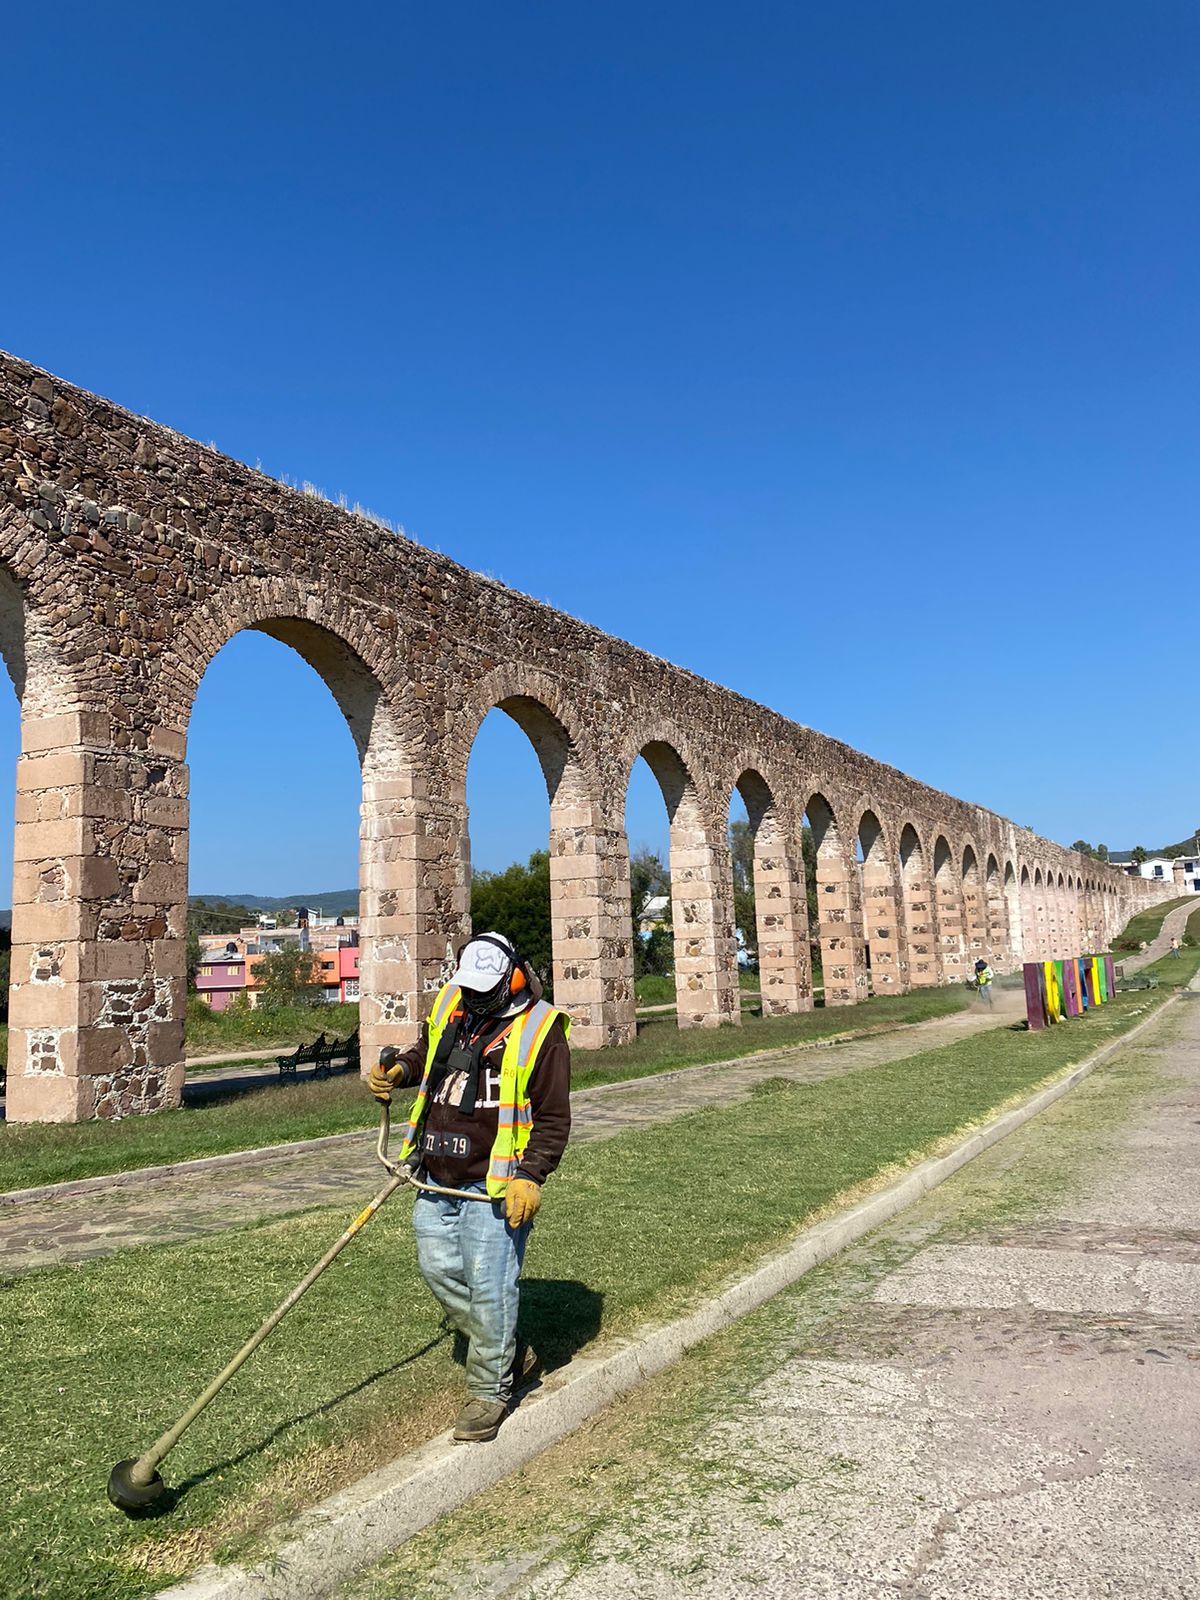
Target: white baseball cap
[[481, 965]]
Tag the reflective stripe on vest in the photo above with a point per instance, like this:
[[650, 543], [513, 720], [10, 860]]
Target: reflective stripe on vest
[[514, 1121], [443, 1006]]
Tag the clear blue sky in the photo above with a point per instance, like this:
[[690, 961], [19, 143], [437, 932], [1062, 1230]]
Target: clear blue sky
[[845, 354]]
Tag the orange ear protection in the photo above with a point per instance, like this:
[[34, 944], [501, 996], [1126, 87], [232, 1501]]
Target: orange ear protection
[[518, 980]]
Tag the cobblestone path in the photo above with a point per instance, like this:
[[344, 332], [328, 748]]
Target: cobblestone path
[[66, 1228]]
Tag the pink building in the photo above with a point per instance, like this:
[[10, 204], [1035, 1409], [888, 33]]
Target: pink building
[[221, 977]]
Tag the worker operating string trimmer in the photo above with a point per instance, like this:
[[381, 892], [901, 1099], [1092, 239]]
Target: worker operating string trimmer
[[492, 1117]]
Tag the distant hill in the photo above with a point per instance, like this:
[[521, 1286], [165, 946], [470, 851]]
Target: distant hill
[[333, 903], [1185, 847]]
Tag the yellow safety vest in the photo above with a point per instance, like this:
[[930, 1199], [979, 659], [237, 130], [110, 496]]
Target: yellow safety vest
[[515, 1122]]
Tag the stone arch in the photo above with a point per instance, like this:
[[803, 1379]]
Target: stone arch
[[916, 889], [117, 526], [706, 980], [1095, 915], [839, 910], [1077, 913], [590, 925], [883, 922], [1058, 902], [12, 630], [402, 957], [35, 648], [1041, 913], [948, 902], [358, 663], [780, 911], [1011, 899], [548, 717], [975, 920], [1029, 923]]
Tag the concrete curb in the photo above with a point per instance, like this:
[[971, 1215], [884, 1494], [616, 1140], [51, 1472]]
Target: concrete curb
[[322, 1547], [271, 1152]]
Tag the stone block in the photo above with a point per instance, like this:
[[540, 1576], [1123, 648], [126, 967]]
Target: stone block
[[165, 1043], [62, 731], [162, 883], [38, 924], [163, 811], [169, 742], [103, 1050], [57, 769], [44, 1005], [42, 1098], [123, 960], [51, 839], [99, 878]]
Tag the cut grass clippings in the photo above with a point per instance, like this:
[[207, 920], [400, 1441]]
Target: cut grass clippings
[[272, 1112], [100, 1357]]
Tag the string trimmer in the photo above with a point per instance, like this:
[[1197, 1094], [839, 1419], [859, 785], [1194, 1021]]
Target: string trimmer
[[134, 1485]]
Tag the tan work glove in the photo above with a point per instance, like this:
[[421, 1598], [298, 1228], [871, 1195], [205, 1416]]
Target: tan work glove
[[522, 1197], [381, 1080]]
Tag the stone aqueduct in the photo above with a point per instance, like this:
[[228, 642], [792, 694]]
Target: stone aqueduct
[[130, 555]]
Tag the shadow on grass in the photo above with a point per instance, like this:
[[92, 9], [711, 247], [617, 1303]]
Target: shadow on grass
[[559, 1316], [171, 1498]]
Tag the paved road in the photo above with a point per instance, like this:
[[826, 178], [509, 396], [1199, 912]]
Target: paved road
[[75, 1227], [996, 1396]]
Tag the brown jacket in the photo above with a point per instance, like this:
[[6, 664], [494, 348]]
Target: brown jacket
[[455, 1148]]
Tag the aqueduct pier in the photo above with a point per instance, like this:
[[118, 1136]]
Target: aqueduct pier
[[129, 555]]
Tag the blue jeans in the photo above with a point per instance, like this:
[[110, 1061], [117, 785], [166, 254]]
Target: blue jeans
[[471, 1260]]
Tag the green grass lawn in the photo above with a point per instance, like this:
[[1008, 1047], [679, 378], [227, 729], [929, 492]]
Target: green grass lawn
[[656, 989], [101, 1356], [1147, 924], [276, 1113], [244, 1029], [1173, 972]]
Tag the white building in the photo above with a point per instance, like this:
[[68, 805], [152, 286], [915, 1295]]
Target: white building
[[1184, 871]]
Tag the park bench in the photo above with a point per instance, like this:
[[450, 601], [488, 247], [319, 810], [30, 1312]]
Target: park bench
[[304, 1055], [340, 1055], [324, 1055]]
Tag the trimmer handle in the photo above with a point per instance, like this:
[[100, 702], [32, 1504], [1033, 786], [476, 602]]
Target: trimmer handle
[[407, 1175]]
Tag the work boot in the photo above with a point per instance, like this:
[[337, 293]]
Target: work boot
[[479, 1420]]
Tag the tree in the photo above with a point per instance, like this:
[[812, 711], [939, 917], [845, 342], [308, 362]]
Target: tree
[[1084, 848], [1101, 852], [1138, 854], [287, 977], [741, 849], [516, 903], [219, 916], [649, 879]]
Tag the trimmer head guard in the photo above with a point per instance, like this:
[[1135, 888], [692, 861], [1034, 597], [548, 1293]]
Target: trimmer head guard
[[131, 1497]]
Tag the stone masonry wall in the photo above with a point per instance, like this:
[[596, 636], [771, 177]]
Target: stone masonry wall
[[129, 555]]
